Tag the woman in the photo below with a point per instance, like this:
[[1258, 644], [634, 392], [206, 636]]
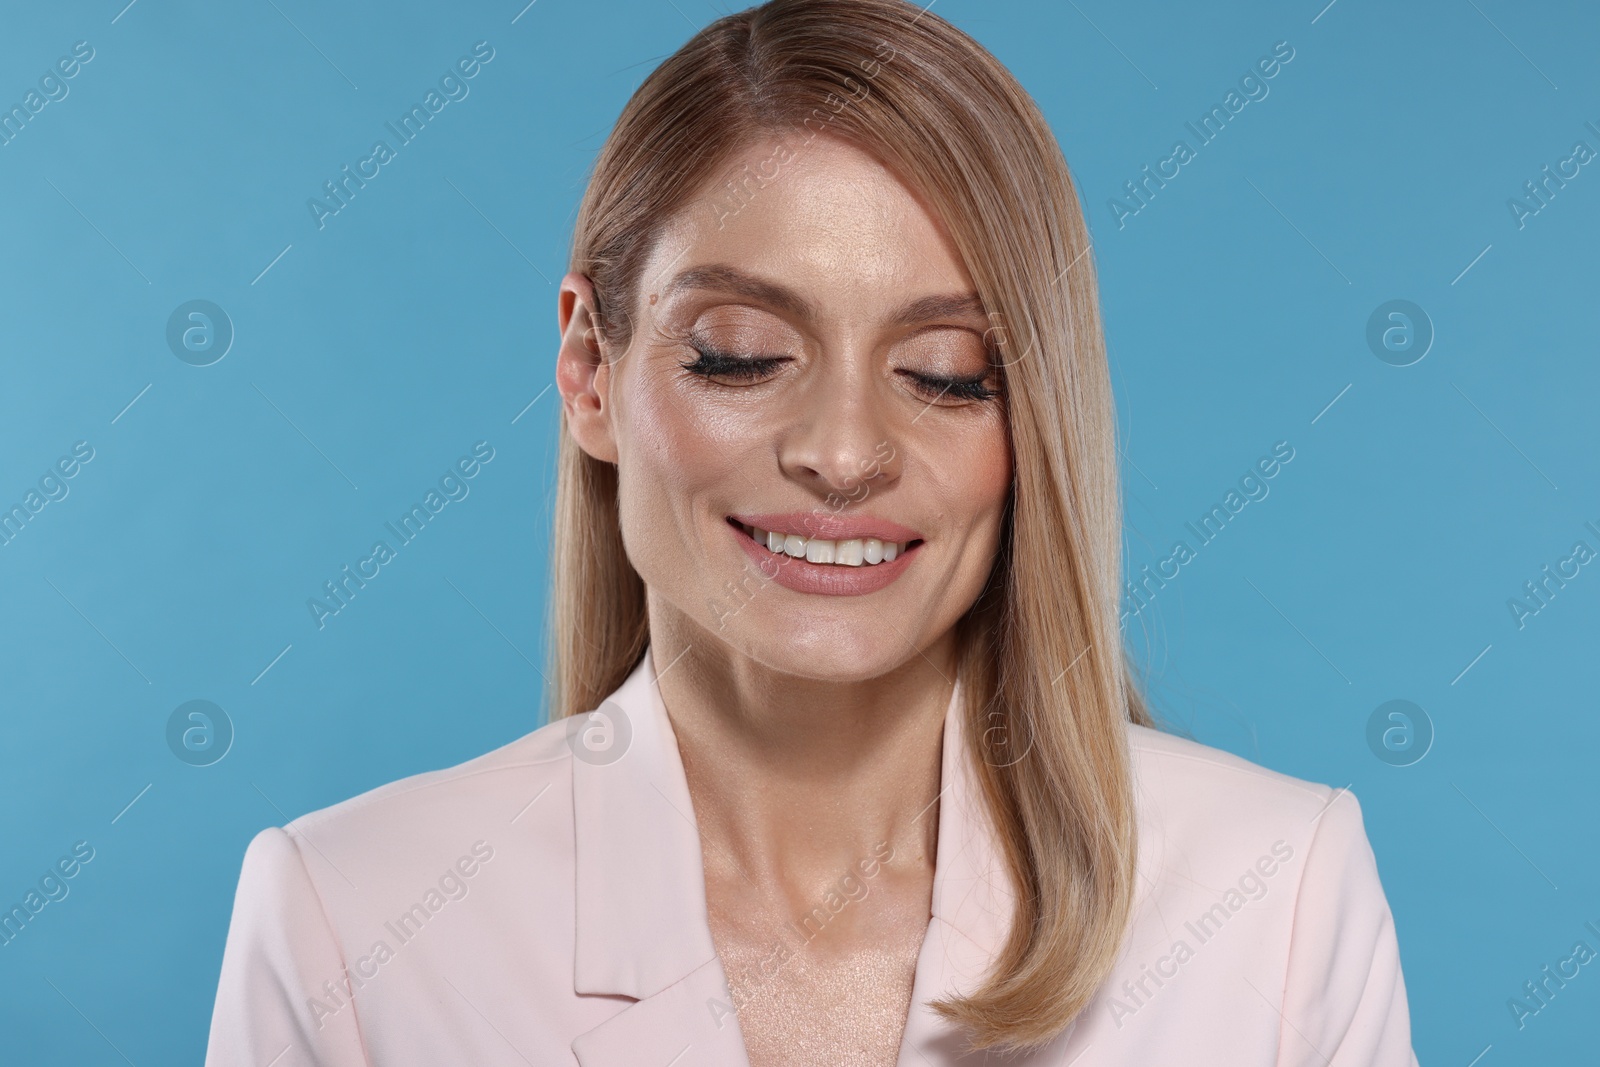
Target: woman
[[848, 768]]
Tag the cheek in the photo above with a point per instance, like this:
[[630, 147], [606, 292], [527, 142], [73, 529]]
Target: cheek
[[972, 473], [990, 484], [676, 456], [992, 466], [654, 455], [978, 463], [662, 413], [679, 440]]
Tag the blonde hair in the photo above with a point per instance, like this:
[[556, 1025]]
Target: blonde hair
[[1047, 686]]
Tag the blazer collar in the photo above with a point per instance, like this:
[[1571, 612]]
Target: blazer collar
[[642, 924]]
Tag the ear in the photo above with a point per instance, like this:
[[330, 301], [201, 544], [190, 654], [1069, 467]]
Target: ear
[[583, 376]]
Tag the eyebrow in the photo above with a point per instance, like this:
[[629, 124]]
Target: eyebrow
[[726, 279]]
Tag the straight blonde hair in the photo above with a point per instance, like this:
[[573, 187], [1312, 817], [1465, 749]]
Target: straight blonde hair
[[1047, 684]]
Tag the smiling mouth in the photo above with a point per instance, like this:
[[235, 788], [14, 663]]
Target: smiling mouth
[[854, 552]]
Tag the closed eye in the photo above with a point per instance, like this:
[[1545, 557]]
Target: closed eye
[[714, 363], [936, 387]]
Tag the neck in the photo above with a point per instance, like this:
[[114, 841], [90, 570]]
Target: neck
[[795, 779]]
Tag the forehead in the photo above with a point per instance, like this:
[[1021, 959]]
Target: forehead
[[829, 220]]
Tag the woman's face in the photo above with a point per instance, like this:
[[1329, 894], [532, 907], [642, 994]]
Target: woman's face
[[813, 460]]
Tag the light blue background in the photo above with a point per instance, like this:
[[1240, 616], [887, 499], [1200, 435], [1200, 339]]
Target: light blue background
[[421, 319]]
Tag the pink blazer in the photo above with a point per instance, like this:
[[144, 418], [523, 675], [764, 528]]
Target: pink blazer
[[540, 906]]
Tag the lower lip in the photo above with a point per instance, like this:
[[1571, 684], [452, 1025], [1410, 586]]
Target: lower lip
[[826, 579]]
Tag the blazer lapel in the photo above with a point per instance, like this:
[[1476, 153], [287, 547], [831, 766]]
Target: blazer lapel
[[691, 1022], [642, 926], [973, 901]]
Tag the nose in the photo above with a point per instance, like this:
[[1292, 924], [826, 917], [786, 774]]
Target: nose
[[840, 443]]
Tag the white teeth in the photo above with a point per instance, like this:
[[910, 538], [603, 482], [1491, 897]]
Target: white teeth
[[854, 552]]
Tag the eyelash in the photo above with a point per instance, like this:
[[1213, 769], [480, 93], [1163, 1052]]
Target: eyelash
[[713, 363], [961, 388]]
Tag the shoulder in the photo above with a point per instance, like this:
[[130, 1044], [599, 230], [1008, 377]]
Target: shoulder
[[410, 827], [480, 787], [1171, 770], [1263, 887], [495, 776], [325, 903], [1211, 817]]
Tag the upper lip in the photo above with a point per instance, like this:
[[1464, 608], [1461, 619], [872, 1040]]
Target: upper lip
[[828, 526]]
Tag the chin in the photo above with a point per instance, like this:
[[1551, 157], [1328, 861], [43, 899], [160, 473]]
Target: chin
[[827, 650]]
